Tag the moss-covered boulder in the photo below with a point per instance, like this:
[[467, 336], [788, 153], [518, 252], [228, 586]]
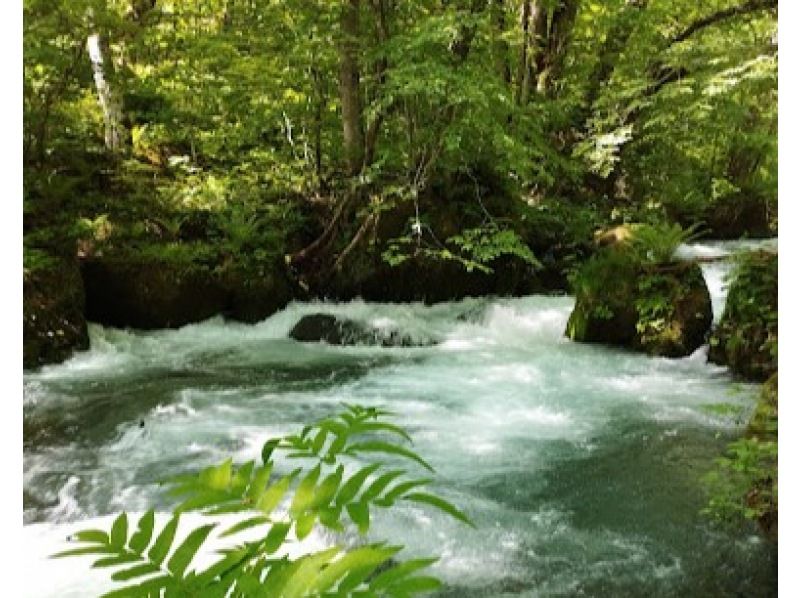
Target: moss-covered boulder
[[661, 309], [150, 290], [746, 338], [53, 313]]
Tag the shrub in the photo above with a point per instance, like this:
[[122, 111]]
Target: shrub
[[745, 480]]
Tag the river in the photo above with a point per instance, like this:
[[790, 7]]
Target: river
[[580, 464]]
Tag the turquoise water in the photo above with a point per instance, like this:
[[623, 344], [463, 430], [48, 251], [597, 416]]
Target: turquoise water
[[579, 464]]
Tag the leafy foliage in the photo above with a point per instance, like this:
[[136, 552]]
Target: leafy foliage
[[319, 495], [747, 335], [656, 244], [745, 480]]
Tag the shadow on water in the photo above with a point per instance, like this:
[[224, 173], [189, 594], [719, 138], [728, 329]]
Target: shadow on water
[[90, 411], [631, 521]]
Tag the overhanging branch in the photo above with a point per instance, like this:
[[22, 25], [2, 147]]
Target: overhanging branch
[[721, 15]]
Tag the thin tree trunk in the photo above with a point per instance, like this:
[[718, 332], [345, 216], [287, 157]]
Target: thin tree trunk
[[110, 101], [382, 36], [349, 87], [500, 46], [522, 63], [553, 46]]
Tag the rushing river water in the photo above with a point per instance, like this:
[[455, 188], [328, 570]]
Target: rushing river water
[[579, 464]]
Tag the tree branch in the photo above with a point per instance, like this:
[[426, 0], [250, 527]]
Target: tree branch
[[721, 15]]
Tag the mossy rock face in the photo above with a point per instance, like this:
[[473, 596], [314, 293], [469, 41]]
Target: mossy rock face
[[746, 339], [255, 293], [53, 314], [145, 292], [658, 309]]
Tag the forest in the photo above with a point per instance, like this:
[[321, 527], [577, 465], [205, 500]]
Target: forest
[[536, 237]]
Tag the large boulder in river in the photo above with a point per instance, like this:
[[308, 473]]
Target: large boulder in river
[[53, 308], [661, 309], [343, 331], [746, 338]]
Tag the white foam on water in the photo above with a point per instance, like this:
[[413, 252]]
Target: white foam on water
[[71, 577]]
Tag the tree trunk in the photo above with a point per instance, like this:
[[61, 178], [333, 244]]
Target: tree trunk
[[500, 46], [110, 101], [349, 87], [522, 63], [553, 45], [381, 36]]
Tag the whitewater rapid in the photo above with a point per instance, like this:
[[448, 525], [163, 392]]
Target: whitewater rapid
[[580, 464]]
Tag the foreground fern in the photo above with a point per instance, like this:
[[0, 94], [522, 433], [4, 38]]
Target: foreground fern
[[319, 495]]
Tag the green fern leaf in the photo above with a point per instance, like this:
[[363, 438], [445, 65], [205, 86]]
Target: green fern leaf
[[273, 495], [162, 544], [144, 532], [351, 487], [137, 571], [359, 513], [185, 552], [376, 446], [304, 493], [398, 572], [378, 486], [439, 503], [119, 531], [243, 525]]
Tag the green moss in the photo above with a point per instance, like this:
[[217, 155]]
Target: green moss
[[747, 336], [624, 298]]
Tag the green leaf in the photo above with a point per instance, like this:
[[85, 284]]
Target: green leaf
[[204, 499], [390, 576], [304, 525], [273, 495], [439, 503], [376, 446], [329, 517], [380, 484], [305, 492], [163, 542], [391, 496], [117, 559], [268, 448], [85, 550], [415, 585], [92, 535], [137, 571], [381, 427], [365, 559], [243, 525], [241, 479], [259, 483], [359, 513], [354, 483], [144, 532], [217, 477], [186, 551], [119, 531], [327, 489], [319, 441], [276, 536]]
